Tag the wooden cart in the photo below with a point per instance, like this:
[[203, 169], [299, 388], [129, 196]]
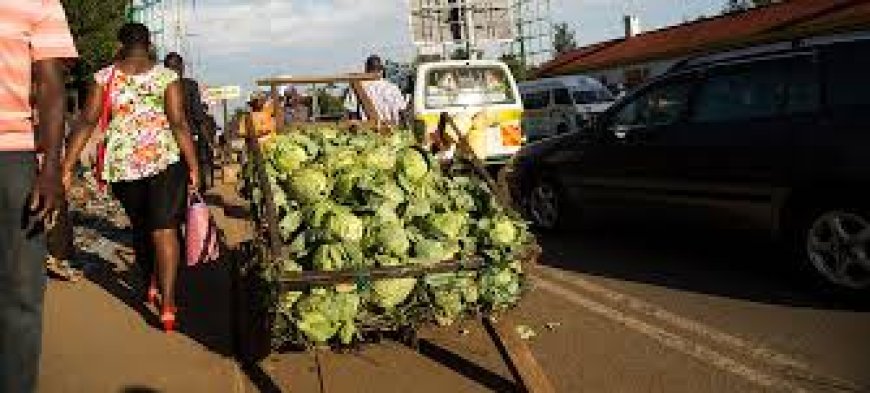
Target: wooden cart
[[527, 373]]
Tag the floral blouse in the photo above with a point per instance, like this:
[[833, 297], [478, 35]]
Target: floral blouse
[[139, 141]]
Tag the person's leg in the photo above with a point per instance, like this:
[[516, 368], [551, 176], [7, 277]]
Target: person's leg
[[133, 199], [168, 253], [167, 194], [22, 277]]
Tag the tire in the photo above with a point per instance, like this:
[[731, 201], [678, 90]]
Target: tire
[[545, 206], [562, 129], [834, 244]]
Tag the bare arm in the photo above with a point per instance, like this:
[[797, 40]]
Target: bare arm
[[181, 129], [84, 129], [50, 100]]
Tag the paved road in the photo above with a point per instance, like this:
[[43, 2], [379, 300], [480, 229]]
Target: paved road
[[722, 299], [614, 309]]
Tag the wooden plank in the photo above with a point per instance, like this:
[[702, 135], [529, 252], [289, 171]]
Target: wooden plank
[[341, 78], [465, 147], [517, 356], [307, 279], [277, 108], [268, 197], [366, 102]]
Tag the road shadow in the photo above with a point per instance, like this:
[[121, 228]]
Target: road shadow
[[260, 378], [708, 258], [465, 367], [202, 295]]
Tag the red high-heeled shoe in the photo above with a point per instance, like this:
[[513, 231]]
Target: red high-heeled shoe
[[167, 317]]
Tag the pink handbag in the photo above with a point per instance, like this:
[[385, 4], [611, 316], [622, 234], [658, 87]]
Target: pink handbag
[[201, 232]]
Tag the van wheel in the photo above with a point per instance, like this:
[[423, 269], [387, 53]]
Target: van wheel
[[545, 206], [836, 244], [562, 129]]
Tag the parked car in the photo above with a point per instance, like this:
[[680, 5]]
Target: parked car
[[560, 105], [781, 134]]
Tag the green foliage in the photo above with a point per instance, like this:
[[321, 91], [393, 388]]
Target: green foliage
[[564, 39], [94, 25]]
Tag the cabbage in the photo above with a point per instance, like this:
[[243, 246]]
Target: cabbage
[[432, 251], [503, 232], [381, 158], [341, 159], [309, 185], [343, 226], [391, 239], [329, 257], [412, 165], [499, 286], [448, 305], [290, 224], [288, 157], [313, 318], [447, 226], [389, 293]]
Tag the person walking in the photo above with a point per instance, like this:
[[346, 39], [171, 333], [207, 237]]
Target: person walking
[[197, 117], [387, 98], [150, 160], [34, 42]]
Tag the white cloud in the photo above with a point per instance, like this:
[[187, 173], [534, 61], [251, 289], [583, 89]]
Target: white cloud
[[287, 25]]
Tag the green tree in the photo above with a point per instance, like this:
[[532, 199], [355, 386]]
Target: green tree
[[564, 39], [518, 67], [94, 25]]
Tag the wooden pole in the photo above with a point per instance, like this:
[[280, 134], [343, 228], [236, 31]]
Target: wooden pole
[[367, 105], [517, 356], [268, 199]]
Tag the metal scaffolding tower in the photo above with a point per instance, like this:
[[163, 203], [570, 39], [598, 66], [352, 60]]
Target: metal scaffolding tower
[[166, 20], [471, 24], [534, 39], [152, 13]]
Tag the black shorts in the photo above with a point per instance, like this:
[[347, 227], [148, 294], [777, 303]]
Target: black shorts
[[156, 202]]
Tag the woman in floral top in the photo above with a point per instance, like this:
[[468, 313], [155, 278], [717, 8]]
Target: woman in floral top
[[149, 158]]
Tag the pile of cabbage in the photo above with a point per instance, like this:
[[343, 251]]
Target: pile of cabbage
[[356, 201]]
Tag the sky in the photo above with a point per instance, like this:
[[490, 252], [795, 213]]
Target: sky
[[234, 42]]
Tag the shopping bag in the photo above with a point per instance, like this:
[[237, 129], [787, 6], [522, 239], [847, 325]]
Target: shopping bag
[[201, 232], [102, 128]]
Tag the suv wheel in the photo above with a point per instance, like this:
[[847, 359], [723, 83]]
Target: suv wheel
[[545, 206], [837, 245]]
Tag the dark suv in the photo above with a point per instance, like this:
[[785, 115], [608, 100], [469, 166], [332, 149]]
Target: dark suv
[[777, 136]]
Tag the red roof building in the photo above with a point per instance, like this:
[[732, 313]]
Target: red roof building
[[631, 59]]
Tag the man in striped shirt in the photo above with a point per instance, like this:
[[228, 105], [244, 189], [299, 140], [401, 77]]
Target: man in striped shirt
[[34, 38], [386, 97]]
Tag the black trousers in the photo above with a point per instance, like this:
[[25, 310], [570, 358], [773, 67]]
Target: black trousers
[[153, 203]]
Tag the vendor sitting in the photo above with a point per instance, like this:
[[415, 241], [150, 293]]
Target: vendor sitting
[[263, 118]]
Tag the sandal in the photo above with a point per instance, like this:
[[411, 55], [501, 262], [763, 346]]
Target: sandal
[[61, 269]]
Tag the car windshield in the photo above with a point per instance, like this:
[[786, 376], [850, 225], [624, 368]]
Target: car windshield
[[582, 97], [463, 86]]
